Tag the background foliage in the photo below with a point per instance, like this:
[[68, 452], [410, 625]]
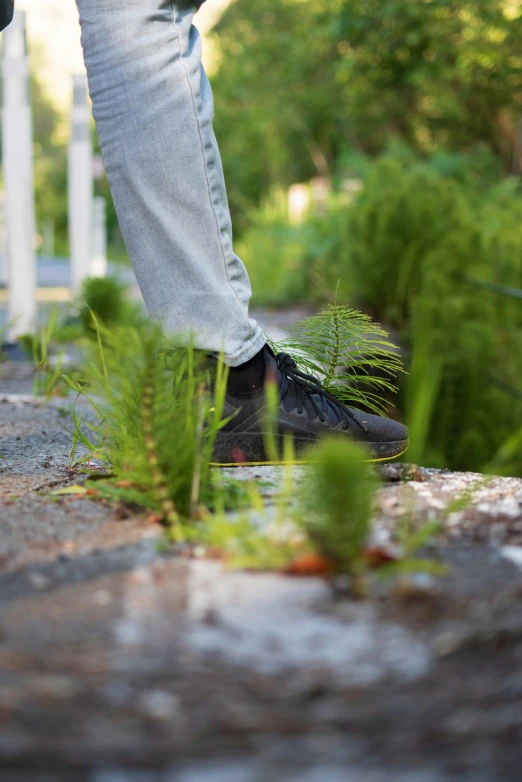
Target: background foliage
[[306, 81]]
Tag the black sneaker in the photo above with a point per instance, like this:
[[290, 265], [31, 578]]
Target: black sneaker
[[306, 412]]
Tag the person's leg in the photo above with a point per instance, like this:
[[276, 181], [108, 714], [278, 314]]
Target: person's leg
[[153, 109]]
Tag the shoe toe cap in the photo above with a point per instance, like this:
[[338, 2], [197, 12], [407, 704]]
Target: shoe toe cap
[[383, 430]]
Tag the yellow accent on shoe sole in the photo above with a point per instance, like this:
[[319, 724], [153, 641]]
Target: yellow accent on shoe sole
[[297, 462]]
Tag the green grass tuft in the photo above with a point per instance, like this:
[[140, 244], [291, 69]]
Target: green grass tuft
[[156, 426]]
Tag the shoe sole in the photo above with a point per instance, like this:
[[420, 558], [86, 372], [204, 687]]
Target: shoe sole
[[228, 452]]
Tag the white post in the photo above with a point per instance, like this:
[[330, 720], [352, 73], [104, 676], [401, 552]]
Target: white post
[[80, 184], [320, 187], [17, 159], [3, 242], [98, 266], [298, 203]]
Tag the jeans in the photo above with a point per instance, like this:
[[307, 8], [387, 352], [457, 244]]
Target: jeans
[[153, 108]]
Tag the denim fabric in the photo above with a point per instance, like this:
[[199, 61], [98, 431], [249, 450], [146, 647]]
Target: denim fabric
[[153, 109]]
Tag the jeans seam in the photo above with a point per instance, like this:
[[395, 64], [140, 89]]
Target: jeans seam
[[203, 155]]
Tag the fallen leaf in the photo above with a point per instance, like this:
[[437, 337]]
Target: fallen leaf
[[70, 490], [309, 565], [376, 556], [217, 554]]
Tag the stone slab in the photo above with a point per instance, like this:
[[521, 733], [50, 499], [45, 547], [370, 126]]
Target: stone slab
[[120, 662]]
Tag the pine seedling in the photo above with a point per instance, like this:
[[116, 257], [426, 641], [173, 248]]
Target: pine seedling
[[349, 353], [336, 505], [156, 426]]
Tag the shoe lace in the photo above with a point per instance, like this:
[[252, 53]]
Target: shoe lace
[[308, 387]]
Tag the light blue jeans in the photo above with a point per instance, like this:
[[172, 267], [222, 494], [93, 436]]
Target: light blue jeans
[[153, 108]]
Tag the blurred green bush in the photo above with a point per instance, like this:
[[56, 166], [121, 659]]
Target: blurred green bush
[[273, 250], [413, 249], [416, 242], [296, 81]]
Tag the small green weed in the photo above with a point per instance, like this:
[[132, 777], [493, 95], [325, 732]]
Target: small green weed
[[47, 368], [245, 544], [411, 539]]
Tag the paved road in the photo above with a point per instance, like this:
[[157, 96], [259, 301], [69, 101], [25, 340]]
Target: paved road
[[53, 281], [55, 272], [120, 663]]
